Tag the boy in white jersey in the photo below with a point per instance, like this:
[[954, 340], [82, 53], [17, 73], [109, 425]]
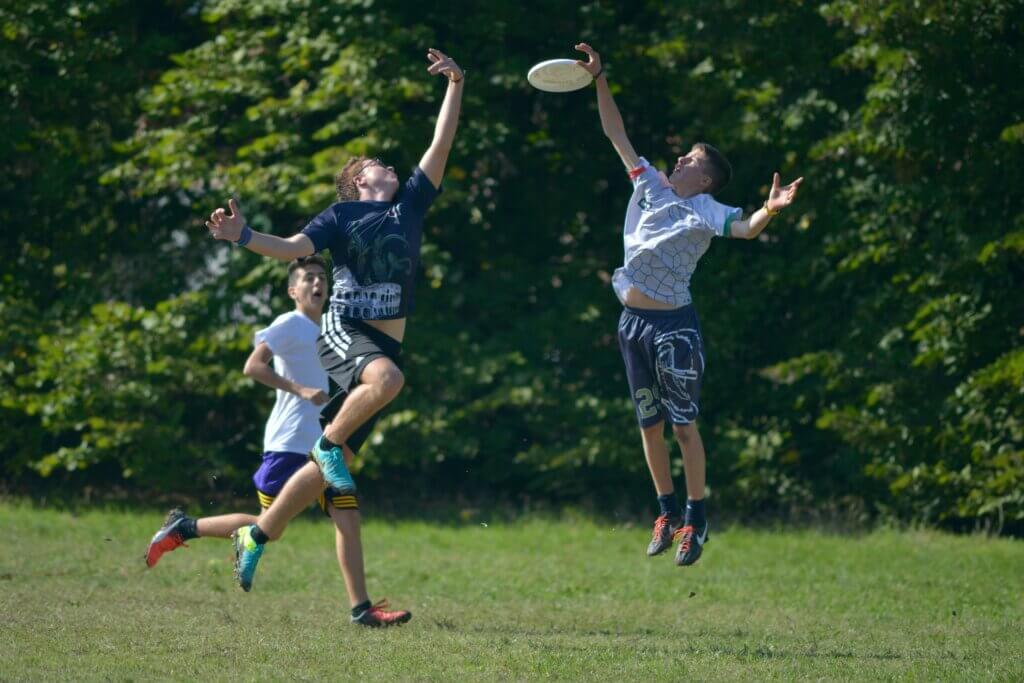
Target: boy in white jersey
[[669, 225], [291, 431]]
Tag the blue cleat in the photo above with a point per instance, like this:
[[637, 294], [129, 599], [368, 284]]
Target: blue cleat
[[332, 467], [247, 555]]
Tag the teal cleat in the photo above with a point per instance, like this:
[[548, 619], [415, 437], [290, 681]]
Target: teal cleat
[[332, 467], [247, 555]]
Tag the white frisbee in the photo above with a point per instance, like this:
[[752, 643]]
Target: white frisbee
[[558, 75]]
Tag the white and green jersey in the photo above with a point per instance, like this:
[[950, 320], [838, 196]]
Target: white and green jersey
[[665, 235]]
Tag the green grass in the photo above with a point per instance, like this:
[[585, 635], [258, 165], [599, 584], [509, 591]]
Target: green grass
[[536, 599]]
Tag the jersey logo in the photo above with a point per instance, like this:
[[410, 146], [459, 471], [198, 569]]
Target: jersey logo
[[382, 258]]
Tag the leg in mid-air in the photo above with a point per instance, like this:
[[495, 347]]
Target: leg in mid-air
[[302, 488], [693, 533], [635, 334], [379, 384], [274, 471], [380, 381], [178, 528], [671, 516]]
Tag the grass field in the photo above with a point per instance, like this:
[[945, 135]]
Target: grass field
[[536, 599]]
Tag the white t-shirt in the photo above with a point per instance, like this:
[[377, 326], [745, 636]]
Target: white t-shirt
[[665, 235], [294, 423]]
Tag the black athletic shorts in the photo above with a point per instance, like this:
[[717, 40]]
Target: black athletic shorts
[[664, 356], [346, 346]]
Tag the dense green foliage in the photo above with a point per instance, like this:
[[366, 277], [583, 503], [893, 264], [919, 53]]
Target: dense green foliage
[[866, 353], [537, 599]]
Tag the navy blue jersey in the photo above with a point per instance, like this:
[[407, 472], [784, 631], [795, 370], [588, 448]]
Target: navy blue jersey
[[375, 247]]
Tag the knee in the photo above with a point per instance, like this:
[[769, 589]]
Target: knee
[[686, 434], [389, 382]]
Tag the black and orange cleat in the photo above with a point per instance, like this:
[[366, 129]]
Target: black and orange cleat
[[378, 615], [664, 527], [691, 544], [167, 538]]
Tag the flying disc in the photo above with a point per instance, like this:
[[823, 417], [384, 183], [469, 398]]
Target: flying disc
[[558, 75]]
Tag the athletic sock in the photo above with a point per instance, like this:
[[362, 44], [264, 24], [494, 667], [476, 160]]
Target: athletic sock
[[326, 444], [257, 535], [695, 513], [669, 505], [361, 607], [188, 529]]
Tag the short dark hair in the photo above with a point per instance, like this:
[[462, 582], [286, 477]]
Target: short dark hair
[[717, 166], [302, 262]]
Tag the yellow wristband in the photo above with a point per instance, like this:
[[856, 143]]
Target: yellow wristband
[[769, 211]]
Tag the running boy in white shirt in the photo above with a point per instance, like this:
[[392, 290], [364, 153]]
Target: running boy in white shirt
[[292, 429], [669, 225]]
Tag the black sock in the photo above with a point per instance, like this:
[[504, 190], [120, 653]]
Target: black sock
[[695, 513], [361, 607], [257, 535], [326, 444], [188, 529], [669, 505]]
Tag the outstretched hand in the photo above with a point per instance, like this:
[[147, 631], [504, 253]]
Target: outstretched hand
[[782, 196], [593, 63], [440, 63], [227, 226]]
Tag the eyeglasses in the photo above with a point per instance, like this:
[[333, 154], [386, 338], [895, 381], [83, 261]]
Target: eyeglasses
[[372, 162]]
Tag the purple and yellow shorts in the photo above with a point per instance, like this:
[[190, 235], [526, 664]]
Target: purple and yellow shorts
[[275, 471]]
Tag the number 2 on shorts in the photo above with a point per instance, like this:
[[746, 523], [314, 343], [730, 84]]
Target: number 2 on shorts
[[645, 402]]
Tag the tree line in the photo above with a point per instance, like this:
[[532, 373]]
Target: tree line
[[864, 355]]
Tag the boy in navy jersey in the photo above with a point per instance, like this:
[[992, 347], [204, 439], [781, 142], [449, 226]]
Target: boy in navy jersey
[[373, 234]]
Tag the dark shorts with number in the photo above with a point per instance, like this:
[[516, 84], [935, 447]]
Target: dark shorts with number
[[664, 356], [277, 468], [346, 347]]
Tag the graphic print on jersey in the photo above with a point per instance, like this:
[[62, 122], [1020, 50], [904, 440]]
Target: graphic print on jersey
[[385, 259]]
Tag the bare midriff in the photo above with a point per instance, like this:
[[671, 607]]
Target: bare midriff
[[393, 328], [634, 298]]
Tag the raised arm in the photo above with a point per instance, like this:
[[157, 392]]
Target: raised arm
[[436, 156], [231, 227], [778, 198], [259, 368], [611, 119]]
